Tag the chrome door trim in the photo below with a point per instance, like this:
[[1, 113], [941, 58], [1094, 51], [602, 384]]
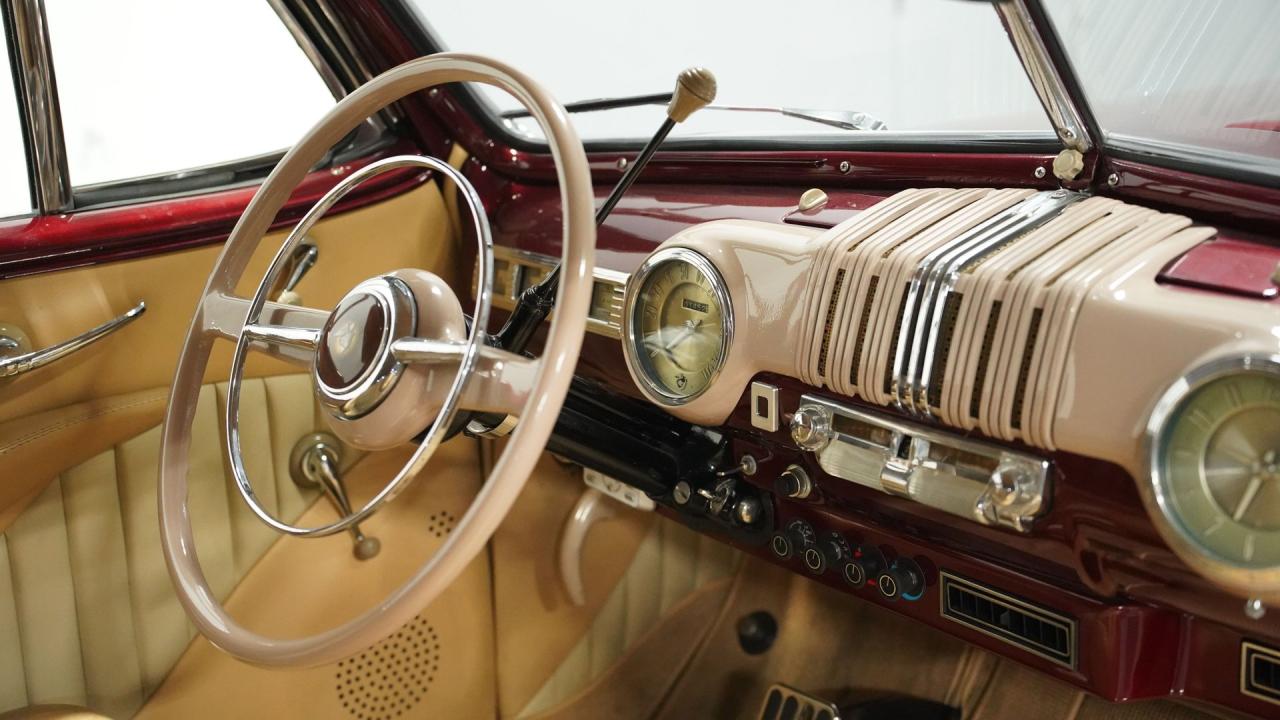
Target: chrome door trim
[[39, 114]]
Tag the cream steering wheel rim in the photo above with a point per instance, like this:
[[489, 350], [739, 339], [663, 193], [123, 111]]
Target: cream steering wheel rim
[[544, 399]]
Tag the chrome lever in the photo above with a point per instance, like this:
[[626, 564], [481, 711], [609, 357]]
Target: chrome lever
[[304, 257], [13, 362], [314, 464]]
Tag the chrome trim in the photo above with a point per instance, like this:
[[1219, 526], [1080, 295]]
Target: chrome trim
[[507, 289], [314, 464], [933, 281], [299, 337], [41, 116], [897, 457], [466, 367], [651, 389], [309, 48], [1041, 613], [1247, 582], [1058, 104], [770, 419], [1249, 650], [17, 364], [360, 396]]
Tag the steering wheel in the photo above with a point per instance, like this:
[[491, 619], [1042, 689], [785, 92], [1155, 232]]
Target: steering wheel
[[380, 362]]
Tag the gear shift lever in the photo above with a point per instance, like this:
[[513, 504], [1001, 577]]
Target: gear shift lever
[[314, 464]]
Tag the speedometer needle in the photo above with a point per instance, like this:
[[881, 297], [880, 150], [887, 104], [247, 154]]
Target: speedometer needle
[[690, 327], [665, 350]]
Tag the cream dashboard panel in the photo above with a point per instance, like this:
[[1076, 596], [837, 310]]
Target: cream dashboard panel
[[764, 267], [1119, 338]]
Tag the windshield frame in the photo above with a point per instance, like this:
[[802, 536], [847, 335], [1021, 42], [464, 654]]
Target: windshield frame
[[1172, 155], [489, 118]]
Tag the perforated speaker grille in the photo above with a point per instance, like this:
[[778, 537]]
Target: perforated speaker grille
[[390, 678], [441, 523]]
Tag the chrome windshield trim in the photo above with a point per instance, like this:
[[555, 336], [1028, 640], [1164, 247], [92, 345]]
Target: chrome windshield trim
[[40, 115], [1059, 105]]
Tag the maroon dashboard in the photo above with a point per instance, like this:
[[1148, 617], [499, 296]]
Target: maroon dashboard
[[1090, 595]]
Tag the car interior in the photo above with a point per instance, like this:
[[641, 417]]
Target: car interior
[[483, 398]]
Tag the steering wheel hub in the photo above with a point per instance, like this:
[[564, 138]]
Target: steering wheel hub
[[355, 368]]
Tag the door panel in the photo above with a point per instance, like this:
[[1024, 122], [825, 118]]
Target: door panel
[[87, 612], [85, 392]]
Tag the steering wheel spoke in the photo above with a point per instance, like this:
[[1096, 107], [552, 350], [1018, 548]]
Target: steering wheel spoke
[[288, 332], [500, 383]]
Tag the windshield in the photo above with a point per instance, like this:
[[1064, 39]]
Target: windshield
[[1180, 78], [919, 66]]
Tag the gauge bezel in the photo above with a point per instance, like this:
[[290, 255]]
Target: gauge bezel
[[1249, 582], [651, 388]]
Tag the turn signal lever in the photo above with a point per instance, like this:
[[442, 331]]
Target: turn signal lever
[[695, 89]]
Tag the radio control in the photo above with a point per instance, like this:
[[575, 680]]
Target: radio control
[[811, 427], [793, 482], [865, 561], [904, 579]]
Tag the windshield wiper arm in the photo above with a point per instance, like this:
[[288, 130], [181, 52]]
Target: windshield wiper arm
[[842, 119]]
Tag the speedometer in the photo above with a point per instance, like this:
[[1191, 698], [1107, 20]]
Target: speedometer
[[679, 325]]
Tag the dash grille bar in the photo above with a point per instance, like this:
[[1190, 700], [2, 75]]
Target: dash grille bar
[[1260, 672], [1043, 632]]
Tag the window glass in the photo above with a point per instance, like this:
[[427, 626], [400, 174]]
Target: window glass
[[15, 192], [1180, 76], [916, 65], [158, 86]]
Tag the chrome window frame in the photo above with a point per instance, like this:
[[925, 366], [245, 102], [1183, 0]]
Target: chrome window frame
[[325, 44]]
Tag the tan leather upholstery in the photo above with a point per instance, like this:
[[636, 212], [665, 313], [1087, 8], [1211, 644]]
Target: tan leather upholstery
[[301, 586], [670, 566], [87, 615], [102, 395], [51, 712]]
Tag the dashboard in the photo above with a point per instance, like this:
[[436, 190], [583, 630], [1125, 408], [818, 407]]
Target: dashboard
[[986, 409]]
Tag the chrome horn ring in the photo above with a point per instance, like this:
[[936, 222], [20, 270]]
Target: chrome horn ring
[[381, 376]]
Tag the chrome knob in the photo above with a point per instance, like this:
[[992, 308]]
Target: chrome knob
[[811, 427], [794, 482]]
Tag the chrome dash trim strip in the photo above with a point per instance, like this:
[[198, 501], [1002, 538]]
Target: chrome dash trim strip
[[507, 287], [935, 277]]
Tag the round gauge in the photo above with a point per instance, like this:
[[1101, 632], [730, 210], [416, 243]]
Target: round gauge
[[1215, 455], [679, 325]]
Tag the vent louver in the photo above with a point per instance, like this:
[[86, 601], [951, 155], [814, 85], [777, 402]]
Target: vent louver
[[1036, 629], [1260, 672]]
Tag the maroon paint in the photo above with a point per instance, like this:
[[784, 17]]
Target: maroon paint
[[1228, 265], [55, 242], [1208, 199]]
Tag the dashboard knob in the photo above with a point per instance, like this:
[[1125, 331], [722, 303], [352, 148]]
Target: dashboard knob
[[865, 562], [793, 482], [904, 579], [811, 427]]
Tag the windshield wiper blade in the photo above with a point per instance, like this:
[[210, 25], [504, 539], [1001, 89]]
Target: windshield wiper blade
[[602, 104], [842, 119]]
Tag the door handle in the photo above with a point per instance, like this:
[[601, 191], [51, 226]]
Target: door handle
[[14, 362]]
